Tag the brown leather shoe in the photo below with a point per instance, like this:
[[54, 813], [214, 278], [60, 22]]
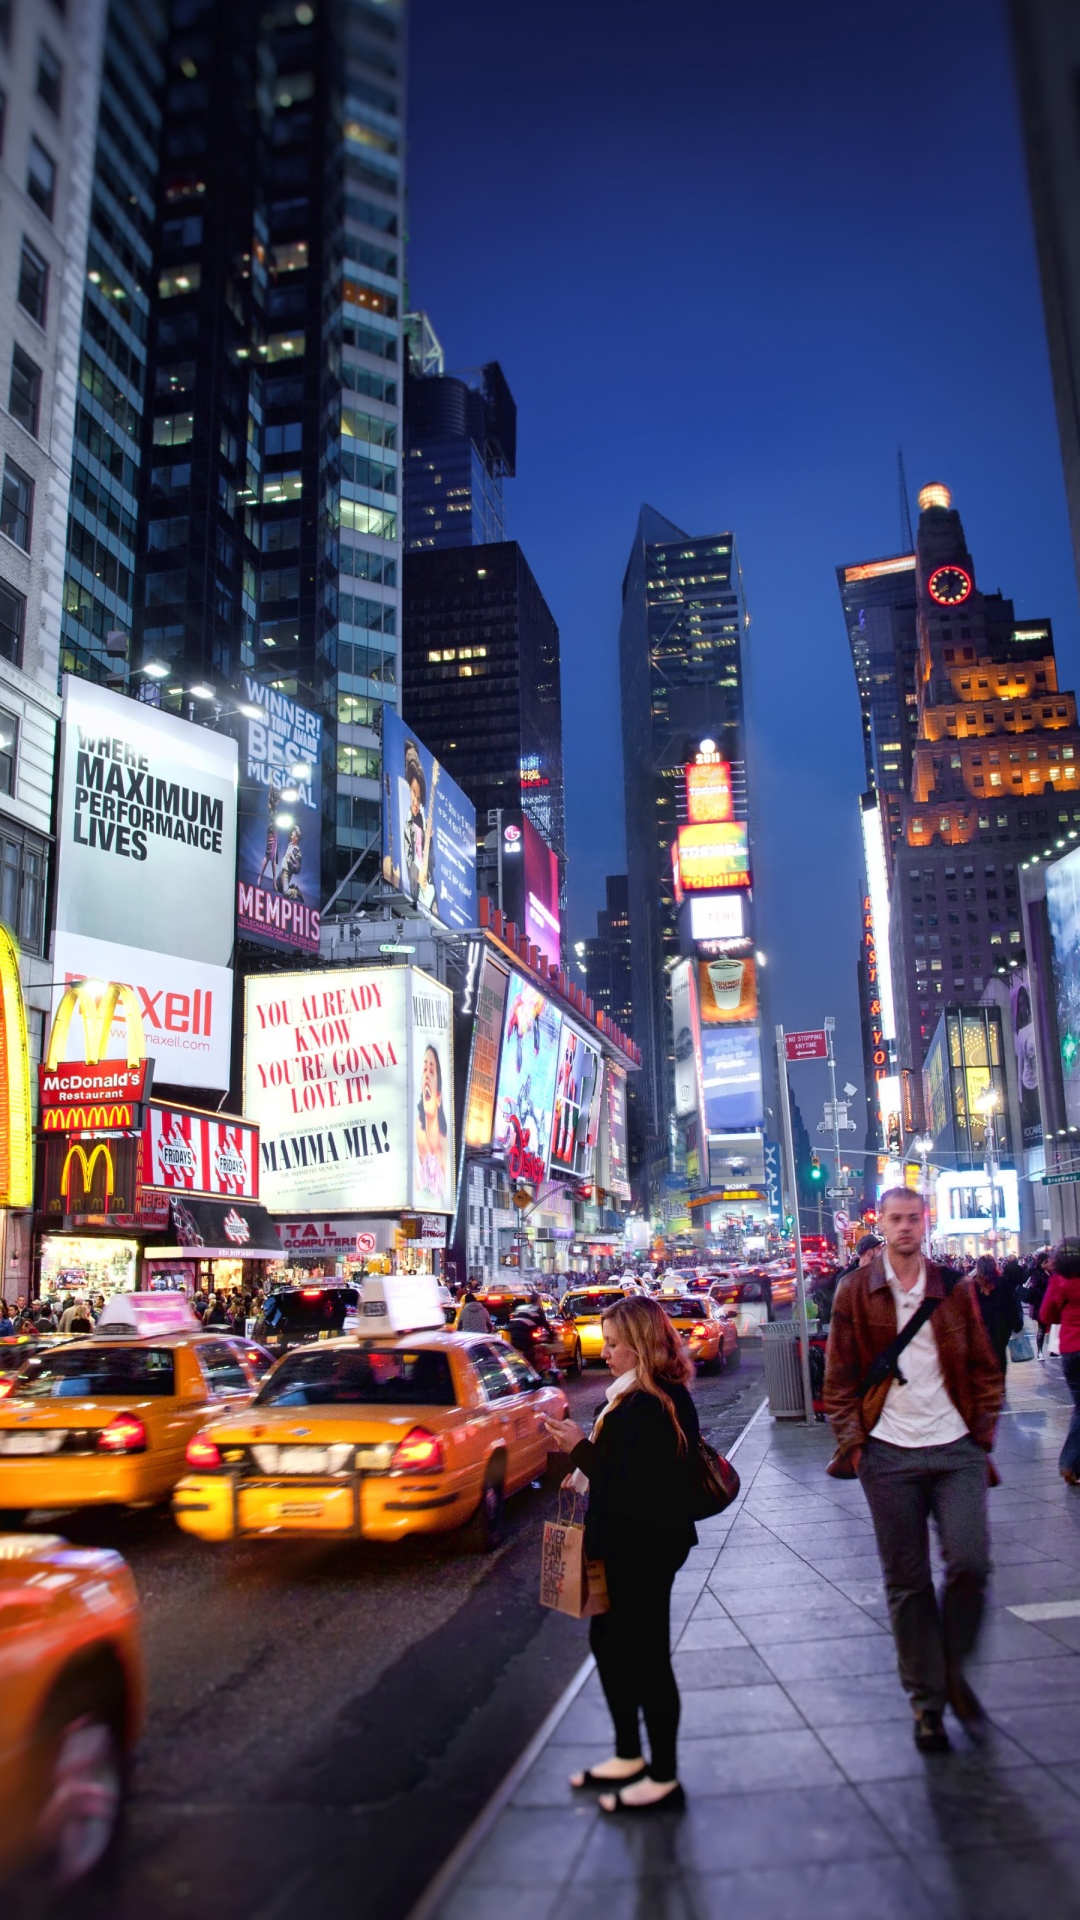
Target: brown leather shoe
[[930, 1734]]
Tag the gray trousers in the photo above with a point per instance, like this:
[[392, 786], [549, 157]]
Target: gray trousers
[[903, 1487]]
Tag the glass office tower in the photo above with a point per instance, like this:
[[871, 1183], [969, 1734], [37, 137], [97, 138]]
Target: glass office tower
[[460, 445], [270, 528]]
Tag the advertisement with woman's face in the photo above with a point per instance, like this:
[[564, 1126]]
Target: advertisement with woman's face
[[432, 1098]]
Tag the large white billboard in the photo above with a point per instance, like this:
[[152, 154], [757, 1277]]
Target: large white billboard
[[349, 1074], [186, 1007], [146, 836]]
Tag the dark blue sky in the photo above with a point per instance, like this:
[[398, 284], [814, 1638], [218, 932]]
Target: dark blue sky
[[730, 256]]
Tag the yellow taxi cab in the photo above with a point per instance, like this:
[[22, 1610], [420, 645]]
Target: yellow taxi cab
[[375, 1436], [562, 1342], [586, 1307], [104, 1420], [71, 1703], [707, 1334]]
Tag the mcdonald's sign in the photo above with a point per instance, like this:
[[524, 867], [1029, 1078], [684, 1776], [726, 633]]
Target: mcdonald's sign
[[78, 1158], [115, 1119], [16, 1171], [95, 1080], [88, 1176]]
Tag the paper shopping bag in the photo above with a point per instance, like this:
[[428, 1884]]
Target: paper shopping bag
[[568, 1581]]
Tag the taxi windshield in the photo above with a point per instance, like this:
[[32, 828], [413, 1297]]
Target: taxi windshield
[[309, 1310], [685, 1309], [370, 1377], [500, 1306], [92, 1373], [590, 1306]]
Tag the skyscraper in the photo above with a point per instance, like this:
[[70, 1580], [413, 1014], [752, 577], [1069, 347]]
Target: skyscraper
[[270, 529], [481, 680], [111, 397], [878, 598], [607, 957], [682, 685], [1046, 39], [50, 65], [460, 445], [995, 771]]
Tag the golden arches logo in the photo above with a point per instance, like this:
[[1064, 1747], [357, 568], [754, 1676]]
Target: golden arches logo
[[87, 1161], [16, 1173], [97, 1006], [86, 1119]]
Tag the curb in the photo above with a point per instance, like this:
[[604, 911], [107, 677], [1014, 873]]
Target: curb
[[474, 1836]]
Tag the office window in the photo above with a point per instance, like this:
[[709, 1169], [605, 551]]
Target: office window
[[16, 504], [41, 177], [33, 283], [24, 397], [22, 888], [49, 77], [12, 622], [9, 740], [173, 429], [179, 280]]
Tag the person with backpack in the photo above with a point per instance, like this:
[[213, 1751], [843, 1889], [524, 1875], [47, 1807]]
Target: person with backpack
[[1001, 1310], [912, 1392], [473, 1316]]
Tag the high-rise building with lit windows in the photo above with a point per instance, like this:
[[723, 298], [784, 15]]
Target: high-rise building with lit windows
[[682, 682], [995, 772], [269, 530], [878, 598], [460, 445]]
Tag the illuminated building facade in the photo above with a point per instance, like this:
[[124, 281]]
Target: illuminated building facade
[[879, 599], [460, 445], [269, 539], [607, 959], [481, 680], [995, 773], [682, 683]]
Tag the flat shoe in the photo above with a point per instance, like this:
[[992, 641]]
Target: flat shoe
[[596, 1782], [672, 1802]]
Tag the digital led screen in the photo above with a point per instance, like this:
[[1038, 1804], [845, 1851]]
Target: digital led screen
[[428, 829], [713, 857], [1063, 913], [577, 1106], [717, 916], [727, 991], [708, 790], [731, 1076], [542, 923], [525, 1097]]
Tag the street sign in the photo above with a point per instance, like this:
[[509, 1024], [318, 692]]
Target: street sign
[[810, 1045], [1060, 1179]]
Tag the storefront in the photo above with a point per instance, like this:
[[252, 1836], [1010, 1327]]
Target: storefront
[[351, 1245]]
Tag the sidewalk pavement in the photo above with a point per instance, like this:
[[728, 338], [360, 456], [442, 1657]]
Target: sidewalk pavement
[[806, 1795]]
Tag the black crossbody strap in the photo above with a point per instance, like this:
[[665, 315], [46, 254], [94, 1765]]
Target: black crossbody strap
[[884, 1364]]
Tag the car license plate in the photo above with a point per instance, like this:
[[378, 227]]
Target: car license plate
[[302, 1460], [300, 1509], [24, 1443]]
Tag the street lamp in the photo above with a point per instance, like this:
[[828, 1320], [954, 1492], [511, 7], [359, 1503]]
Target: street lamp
[[987, 1104], [923, 1144]]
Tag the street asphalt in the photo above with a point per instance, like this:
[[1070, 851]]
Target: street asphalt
[[326, 1721]]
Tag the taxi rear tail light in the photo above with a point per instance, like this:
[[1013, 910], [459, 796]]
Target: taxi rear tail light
[[310, 1293], [202, 1453], [125, 1434], [419, 1452], [6, 1385], [700, 1328]]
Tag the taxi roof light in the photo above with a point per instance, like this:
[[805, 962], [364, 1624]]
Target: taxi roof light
[[202, 1453], [419, 1452], [124, 1434]]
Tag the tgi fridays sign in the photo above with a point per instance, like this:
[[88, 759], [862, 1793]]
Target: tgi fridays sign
[[192, 1153]]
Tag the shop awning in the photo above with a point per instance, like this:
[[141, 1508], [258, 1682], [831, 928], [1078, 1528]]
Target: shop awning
[[220, 1230]]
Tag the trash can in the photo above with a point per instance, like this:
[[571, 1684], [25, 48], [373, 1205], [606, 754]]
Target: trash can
[[783, 1370]]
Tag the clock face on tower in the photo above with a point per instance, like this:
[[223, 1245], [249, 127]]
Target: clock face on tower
[[949, 586]]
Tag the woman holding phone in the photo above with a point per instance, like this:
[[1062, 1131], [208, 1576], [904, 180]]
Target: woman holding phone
[[637, 1467]]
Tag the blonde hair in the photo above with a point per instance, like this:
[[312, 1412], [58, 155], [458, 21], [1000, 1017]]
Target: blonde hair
[[642, 1325]]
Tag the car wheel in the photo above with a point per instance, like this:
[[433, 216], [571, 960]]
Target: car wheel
[[484, 1531], [576, 1362], [85, 1779]]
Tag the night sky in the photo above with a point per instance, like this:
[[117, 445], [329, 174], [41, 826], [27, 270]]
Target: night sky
[[731, 256]]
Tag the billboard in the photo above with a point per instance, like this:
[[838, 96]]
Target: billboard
[[542, 923], [1063, 912], [525, 1096], [727, 991], [708, 790], [146, 832], [614, 1150], [484, 1062], [577, 1106], [349, 1075], [1027, 1066], [717, 916], [708, 858], [279, 828], [686, 1028], [186, 1006], [146, 857], [428, 829], [731, 1075], [185, 1152]]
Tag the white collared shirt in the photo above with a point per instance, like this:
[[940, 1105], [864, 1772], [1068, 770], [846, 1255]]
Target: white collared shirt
[[920, 1413]]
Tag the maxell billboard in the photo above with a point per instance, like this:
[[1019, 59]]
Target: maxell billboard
[[146, 854], [278, 896]]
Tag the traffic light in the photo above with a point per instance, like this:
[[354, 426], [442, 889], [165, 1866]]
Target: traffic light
[[817, 1171]]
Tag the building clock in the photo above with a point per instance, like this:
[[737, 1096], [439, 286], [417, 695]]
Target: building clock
[[949, 586]]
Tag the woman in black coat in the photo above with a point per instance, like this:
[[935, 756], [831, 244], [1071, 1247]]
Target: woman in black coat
[[638, 1469]]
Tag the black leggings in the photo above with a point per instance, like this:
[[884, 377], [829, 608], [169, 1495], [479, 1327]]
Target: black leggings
[[632, 1645]]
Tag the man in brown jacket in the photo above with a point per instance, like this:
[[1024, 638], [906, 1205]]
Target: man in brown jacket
[[917, 1428]]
